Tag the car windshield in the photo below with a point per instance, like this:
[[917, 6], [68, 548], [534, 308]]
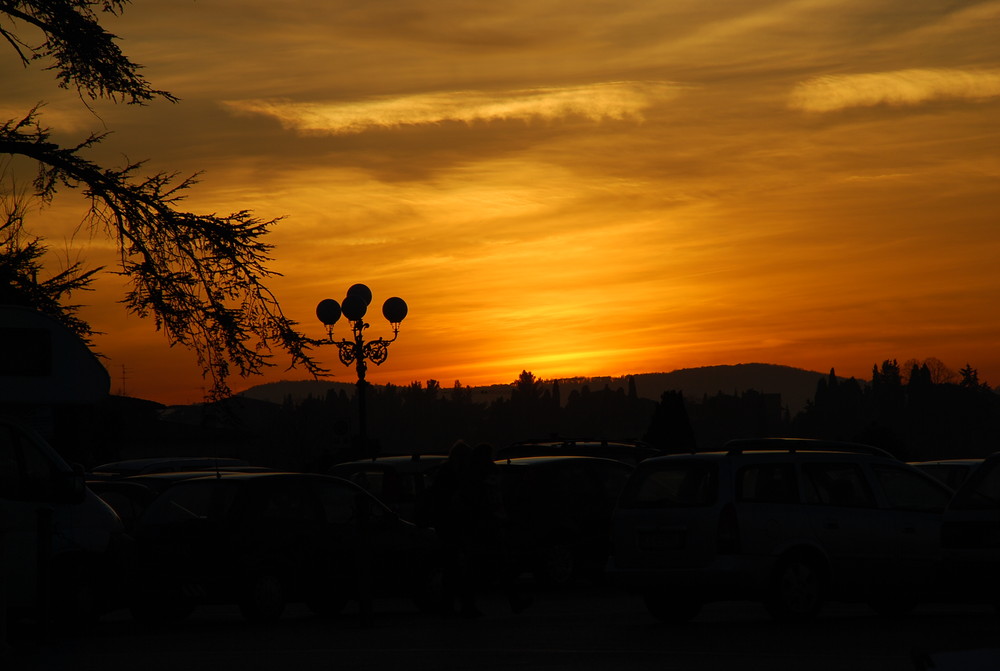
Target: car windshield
[[204, 499], [982, 489], [672, 484]]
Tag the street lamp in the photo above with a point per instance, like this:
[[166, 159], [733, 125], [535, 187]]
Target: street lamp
[[357, 351]]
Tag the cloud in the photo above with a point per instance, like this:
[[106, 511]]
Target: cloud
[[596, 102], [899, 88]]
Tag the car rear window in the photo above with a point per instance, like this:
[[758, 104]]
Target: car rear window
[[677, 484]]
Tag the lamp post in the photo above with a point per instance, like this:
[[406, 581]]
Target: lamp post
[[356, 351]]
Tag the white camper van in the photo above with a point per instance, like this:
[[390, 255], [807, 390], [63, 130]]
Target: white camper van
[[59, 543]]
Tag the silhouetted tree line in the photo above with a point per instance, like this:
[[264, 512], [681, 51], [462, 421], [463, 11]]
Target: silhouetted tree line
[[915, 413]]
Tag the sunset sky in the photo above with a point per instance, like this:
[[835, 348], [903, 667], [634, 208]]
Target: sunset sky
[[572, 188]]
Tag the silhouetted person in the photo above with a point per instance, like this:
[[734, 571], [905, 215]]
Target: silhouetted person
[[485, 553], [448, 519], [467, 511]]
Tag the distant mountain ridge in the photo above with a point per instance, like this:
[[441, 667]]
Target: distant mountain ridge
[[796, 385]]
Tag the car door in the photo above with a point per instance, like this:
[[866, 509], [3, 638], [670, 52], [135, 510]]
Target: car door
[[915, 505], [847, 523], [971, 536], [364, 532], [285, 535]]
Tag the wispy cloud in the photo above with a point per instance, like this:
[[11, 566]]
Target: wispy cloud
[[899, 88], [597, 102]]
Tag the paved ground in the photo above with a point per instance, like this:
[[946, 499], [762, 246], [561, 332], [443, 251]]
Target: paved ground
[[580, 630]]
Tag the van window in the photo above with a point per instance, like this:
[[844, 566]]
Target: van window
[[768, 483], [837, 484], [673, 485]]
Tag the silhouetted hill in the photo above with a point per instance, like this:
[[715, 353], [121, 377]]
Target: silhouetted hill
[[296, 390], [795, 385]]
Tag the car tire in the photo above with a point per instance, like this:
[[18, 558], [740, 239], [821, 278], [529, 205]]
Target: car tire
[[797, 591], [672, 608], [265, 599]]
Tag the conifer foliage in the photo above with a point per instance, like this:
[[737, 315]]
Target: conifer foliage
[[200, 277]]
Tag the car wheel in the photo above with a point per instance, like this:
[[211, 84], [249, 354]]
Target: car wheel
[[798, 590], [555, 565], [672, 608], [264, 600]]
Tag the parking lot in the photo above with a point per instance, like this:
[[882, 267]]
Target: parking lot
[[584, 628]]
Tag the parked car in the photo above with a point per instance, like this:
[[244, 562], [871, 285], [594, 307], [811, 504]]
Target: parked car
[[971, 537], [123, 469], [264, 539], [397, 481], [791, 523], [952, 472], [628, 452], [59, 543], [559, 513], [129, 496]]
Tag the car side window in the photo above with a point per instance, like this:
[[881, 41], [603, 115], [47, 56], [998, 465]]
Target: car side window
[[768, 483], [344, 504], [909, 491], [837, 484]]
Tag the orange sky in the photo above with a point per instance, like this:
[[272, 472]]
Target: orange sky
[[574, 189]]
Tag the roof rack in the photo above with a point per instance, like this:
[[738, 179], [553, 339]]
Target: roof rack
[[741, 445]]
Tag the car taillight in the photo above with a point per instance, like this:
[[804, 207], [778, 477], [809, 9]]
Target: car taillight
[[728, 535]]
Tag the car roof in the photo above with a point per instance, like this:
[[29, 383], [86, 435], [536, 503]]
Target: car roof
[[400, 463], [629, 452], [556, 459], [395, 459], [139, 465], [257, 475], [567, 446], [784, 447], [802, 445]]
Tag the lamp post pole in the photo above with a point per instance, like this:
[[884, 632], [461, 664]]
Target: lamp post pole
[[356, 351]]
